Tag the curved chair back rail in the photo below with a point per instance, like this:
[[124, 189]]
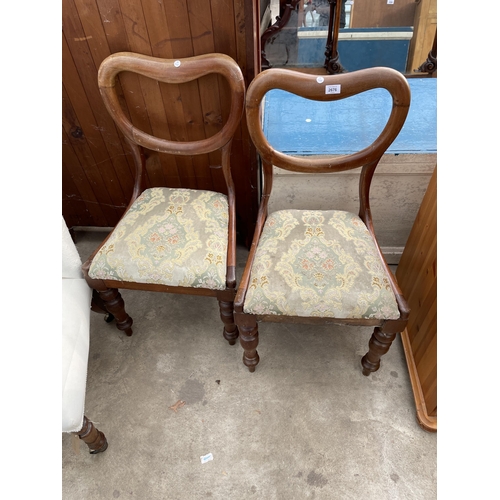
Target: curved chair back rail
[[313, 87], [173, 71]]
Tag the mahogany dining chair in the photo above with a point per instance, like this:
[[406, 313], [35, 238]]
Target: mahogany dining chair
[[171, 239], [321, 266]]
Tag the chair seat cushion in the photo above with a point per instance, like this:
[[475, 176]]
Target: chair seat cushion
[[175, 237], [319, 263]]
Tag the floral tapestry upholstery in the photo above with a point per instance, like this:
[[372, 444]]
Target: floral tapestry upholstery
[[319, 263], [175, 237]]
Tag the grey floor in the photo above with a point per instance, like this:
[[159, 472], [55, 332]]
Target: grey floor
[[306, 424]]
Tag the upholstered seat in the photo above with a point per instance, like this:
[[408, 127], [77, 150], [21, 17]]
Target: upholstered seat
[[319, 263], [175, 237]]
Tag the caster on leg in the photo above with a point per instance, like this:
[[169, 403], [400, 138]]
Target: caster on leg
[[109, 318]]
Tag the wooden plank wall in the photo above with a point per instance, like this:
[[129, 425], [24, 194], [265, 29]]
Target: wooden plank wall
[[97, 166], [417, 277]]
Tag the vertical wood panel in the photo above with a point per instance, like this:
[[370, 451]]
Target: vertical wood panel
[[76, 173], [138, 38], [423, 320], [99, 49], [80, 146], [92, 142], [417, 277], [247, 36], [425, 26], [202, 35], [97, 166], [73, 207], [181, 43], [83, 108], [160, 39], [132, 99]]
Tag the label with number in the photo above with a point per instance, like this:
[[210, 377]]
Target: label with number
[[332, 89]]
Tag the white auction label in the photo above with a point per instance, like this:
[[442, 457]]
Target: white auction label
[[332, 89]]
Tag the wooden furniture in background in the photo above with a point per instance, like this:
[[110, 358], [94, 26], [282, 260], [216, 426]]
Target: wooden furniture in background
[[97, 165], [170, 239], [417, 277], [280, 23], [424, 32], [321, 267], [380, 14]]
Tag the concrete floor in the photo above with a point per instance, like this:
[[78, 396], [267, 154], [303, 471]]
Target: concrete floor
[[306, 424]]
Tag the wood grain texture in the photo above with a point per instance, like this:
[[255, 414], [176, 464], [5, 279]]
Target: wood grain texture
[[417, 277], [98, 168], [424, 30]]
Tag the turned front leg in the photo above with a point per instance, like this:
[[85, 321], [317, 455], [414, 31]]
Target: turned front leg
[[249, 340], [379, 344], [230, 331], [114, 304]]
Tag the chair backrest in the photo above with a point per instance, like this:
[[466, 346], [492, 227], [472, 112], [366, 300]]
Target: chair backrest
[[173, 71], [316, 88]]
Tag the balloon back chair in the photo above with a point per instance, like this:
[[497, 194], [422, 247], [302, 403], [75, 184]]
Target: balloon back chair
[[321, 266], [172, 240]]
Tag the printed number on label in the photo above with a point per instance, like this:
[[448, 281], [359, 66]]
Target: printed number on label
[[332, 89]]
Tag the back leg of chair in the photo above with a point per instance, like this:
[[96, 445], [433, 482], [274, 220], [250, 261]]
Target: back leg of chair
[[92, 437], [113, 303], [249, 340], [380, 343], [97, 306], [226, 306]]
